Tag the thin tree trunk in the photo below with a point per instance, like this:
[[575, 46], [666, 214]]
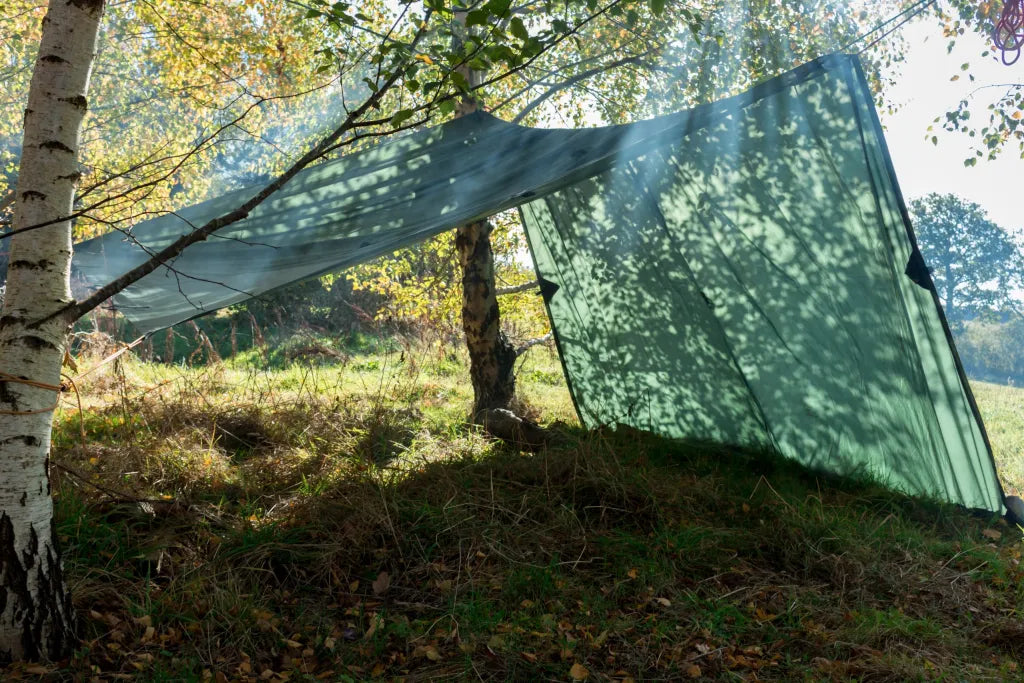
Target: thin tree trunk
[[491, 355], [36, 616]]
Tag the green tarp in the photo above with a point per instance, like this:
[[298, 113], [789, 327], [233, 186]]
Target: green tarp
[[743, 272]]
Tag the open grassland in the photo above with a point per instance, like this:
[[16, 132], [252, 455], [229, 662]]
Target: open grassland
[[333, 518], [1002, 407]]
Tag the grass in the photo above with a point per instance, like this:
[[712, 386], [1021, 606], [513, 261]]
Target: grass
[[333, 518], [1003, 410]]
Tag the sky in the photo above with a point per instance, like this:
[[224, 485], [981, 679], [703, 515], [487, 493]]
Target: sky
[[924, 89]]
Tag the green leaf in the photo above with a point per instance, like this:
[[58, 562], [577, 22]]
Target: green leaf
[[369, 82], [446, 107], [477, 17], [518, 29], [460, 81], [401, 116], [498, 8], [657, 7]]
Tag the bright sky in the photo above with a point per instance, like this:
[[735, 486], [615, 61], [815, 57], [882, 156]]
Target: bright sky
[[924, 88]]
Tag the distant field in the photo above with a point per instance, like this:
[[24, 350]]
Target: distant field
[[1002, 408]]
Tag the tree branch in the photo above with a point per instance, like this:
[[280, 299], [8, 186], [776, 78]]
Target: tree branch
[[569, 82], [76, 310], [525, 287], [526, 346]]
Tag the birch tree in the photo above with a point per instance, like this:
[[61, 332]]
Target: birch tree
[[36, 616]]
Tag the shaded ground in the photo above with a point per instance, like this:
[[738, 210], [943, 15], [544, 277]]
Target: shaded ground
[[340, 522]]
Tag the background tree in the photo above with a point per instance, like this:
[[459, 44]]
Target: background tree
[[976, 265]]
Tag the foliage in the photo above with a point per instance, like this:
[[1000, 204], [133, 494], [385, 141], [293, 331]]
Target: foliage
[[993, 350], [1003, 129], [976, 265], [342, 522]]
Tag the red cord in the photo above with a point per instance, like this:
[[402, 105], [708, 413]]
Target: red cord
[[1009, 32]]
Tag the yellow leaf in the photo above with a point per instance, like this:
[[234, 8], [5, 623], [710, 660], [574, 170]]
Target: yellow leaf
[[578, 672], [632, 573], [425, 59]]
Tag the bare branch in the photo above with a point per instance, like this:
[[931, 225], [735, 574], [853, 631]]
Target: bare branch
[[526, 346], [525, 287]]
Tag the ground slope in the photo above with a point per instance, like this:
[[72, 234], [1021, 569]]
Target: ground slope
[[339, 522]]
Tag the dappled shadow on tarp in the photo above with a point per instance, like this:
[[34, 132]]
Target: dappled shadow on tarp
[[745, 283], [733, 273]]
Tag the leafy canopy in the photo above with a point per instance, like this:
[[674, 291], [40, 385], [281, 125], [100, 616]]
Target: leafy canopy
[[976, 265]]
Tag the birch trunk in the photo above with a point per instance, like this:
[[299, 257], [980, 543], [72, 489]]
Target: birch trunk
[[36, 617]]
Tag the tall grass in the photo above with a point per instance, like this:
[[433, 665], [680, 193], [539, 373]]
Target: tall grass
[[332, 517]]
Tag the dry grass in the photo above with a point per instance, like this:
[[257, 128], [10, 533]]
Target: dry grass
[[340, 522]]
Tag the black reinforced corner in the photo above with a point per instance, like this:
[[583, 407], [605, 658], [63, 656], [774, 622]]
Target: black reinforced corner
[[547, 289], [918, 272]]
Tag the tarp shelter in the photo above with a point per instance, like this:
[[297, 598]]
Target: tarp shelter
[[743, 272]]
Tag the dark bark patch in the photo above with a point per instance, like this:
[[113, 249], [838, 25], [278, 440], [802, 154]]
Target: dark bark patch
[[32, 194], [77, 101], [73, 177], [26, 439], [37, 343], [42, 264], [57, 145], [91, 6], [53, 59]]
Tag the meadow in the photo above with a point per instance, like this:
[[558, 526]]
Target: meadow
[[319, 512]]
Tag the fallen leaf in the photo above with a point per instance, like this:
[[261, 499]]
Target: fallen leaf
[[664, 602], [529, 656], [578, 672], [329, 643], [432, 654], [992, 533], [693, 671], [632, 573], [381, 583], [39, 670]]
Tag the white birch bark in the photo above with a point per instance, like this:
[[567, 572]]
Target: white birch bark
[[36, 616]]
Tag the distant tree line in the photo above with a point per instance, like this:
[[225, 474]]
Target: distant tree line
[[978, 270]]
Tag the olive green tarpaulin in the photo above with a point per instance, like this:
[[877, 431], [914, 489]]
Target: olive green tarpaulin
[[743, 272]]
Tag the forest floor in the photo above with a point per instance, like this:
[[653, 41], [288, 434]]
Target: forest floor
[[335, 519]]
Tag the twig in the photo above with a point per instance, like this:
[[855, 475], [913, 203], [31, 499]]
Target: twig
[[526, 346], [525, 287]]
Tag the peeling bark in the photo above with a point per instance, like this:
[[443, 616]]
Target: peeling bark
[[36, 616], [491, 356]]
